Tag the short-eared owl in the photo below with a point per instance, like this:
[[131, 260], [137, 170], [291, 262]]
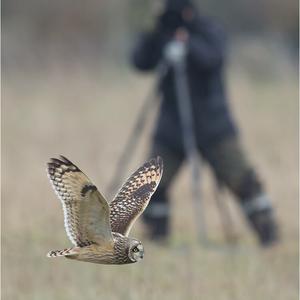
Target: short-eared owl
[[98, 230]]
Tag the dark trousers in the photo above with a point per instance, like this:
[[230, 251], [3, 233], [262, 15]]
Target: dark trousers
[[228, 162], [231, 168]]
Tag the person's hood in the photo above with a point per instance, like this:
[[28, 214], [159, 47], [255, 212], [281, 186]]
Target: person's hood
[[177, 5]]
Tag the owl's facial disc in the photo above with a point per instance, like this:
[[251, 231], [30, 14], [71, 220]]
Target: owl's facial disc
[[136, 251]]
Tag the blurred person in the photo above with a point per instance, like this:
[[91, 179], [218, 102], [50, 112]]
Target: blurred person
[[215, 129]]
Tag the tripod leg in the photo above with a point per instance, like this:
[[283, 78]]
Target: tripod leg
[[225, 216], [187, 123], [130, 145]]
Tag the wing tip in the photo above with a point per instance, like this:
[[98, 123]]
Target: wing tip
[[58, 162], [157, 161], [65, 160]]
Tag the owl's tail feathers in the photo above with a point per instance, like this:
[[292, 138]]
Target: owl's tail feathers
[[64, 252]]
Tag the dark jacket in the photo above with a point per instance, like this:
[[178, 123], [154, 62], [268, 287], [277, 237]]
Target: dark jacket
[[205, 60]]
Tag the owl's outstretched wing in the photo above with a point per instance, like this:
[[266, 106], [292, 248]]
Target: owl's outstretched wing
[[134, 196], [86, 212]]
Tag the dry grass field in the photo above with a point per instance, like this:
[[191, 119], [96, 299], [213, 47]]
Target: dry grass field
[[86, 115]]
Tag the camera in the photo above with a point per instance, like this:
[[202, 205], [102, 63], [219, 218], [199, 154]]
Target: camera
[[171, 20]]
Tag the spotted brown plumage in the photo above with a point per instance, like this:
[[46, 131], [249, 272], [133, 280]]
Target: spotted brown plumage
[[100, 231], [86, 212], [134, 196]]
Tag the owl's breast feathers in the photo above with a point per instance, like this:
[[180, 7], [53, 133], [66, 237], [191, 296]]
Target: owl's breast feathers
[[121, 248]]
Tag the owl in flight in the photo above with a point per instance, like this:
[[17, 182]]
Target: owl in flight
[[99, 230]]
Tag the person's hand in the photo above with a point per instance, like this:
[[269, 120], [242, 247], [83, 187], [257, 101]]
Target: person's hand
[[182, 35]]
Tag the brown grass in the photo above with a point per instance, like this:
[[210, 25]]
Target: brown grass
[[86, 115]]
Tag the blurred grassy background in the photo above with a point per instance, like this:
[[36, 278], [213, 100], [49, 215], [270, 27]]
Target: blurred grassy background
[[67, 89]]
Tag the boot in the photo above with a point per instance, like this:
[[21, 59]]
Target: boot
[[261, 217], [264, 224]]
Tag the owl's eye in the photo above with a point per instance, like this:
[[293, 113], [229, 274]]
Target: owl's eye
[[135, 249]]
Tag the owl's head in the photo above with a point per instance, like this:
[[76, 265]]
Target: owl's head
[[135, 251]]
